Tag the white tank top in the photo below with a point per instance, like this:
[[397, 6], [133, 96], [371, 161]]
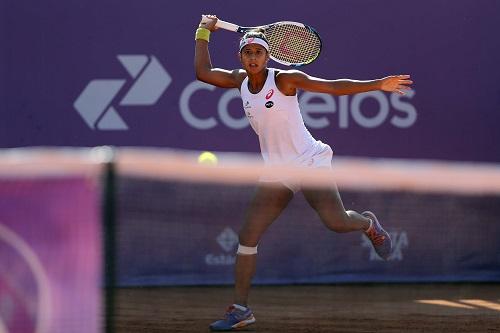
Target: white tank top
[[276, 118]]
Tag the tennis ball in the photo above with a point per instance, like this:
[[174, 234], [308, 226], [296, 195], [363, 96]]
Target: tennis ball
[[207, 158]]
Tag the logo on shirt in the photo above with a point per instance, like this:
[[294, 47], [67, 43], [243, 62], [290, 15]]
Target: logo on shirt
[[247, 105], [269, 104], [270, 94]]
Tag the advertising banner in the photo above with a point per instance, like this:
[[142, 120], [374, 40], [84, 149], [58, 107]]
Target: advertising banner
[[121, 73], [168, 238]]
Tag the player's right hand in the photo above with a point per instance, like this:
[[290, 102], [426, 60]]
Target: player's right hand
[[210, 25]]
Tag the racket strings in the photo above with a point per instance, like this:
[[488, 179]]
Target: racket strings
[[293, 44]]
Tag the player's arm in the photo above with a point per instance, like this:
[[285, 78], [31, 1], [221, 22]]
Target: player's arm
[[203, 66], [299, 80]]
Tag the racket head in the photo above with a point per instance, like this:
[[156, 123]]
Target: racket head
[[293, 44]]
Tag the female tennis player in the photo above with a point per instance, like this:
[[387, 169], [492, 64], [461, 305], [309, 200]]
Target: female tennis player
[[270, 103]]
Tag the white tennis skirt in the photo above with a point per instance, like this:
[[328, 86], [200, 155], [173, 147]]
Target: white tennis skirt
[[322, 158]]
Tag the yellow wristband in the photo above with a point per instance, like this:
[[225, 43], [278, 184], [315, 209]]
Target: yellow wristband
[[202, 33]]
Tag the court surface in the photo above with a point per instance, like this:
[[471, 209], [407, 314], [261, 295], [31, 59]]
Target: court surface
[[335, 308]]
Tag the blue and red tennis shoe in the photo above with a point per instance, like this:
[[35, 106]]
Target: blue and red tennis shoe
[[236, 317], [380, 238]]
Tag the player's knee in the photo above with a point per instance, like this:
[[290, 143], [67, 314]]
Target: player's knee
[[247, 243], [248, 237]]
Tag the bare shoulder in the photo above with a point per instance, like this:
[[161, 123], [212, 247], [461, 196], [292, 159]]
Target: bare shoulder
[[239, 75], [286, 81], [289, 76]]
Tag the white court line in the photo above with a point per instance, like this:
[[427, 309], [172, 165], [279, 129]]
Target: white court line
[[44, 308], [443, 302], [3, 328], [482, 303]]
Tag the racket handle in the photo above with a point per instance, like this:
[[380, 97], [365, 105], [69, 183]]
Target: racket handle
[[221, 24]]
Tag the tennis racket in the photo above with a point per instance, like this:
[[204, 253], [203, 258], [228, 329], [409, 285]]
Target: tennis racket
[[290, 43]]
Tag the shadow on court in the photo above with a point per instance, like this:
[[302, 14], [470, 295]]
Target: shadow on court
[[318, 309]]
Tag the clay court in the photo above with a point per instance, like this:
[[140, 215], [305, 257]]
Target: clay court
[[318, 309]]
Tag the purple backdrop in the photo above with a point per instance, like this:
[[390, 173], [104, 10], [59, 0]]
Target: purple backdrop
[[168, 238], [62, 82]]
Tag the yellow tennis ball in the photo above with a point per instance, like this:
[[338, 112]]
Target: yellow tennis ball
[[207, 158]]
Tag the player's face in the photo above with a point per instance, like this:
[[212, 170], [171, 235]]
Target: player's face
[[254, 58]]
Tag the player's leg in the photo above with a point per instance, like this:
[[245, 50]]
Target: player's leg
[[329, 206], [267, 204], [269, 201]]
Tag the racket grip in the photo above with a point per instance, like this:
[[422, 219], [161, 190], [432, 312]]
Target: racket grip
[[221, 24]]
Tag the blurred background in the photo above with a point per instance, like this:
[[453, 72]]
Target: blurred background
[[76, 75]]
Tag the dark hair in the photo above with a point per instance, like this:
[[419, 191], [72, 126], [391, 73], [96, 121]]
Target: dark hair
[[256, 33]]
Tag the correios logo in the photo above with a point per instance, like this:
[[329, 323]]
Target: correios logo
[[227, 240], [96, 102], [97, 105], [368, 110]]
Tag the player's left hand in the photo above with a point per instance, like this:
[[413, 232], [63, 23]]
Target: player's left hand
[[396, 83]]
